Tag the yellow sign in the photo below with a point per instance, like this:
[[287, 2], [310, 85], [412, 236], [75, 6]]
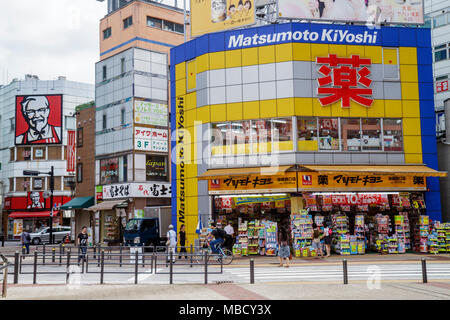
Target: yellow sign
[[313, 181], [217, 15], [254, 184]]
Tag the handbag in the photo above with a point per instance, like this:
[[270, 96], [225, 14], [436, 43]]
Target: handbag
[[290, 256]]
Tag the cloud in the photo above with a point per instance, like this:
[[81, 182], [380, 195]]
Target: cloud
[[50, 38]]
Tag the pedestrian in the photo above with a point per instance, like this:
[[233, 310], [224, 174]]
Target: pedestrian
[[82, 244], [230, 235], [171, 243], [284, 252], [182, 242], [26, 239], [327, 238], [316, 240]]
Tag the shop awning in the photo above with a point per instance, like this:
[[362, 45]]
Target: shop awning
[[416, 170], [221, 173], [107, 205], [78, 203], [32, 214]]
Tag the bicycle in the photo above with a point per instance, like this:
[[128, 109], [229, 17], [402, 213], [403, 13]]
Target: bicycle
[[225, 255]]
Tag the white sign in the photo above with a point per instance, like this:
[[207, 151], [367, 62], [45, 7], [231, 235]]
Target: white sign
[[149, 139], [138, 190], [151, 113]]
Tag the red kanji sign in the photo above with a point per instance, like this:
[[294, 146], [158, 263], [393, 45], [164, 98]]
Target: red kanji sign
[[344, 75]]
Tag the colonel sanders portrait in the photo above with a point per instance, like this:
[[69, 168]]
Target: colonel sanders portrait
[[36, 203], [36, 112]]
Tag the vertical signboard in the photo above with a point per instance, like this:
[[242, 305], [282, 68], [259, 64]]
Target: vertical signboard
[[71, 152]]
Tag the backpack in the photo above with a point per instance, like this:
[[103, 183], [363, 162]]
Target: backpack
[[221, 233], [316, 233]]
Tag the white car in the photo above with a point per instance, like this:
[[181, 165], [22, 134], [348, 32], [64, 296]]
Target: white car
[[43, 234]]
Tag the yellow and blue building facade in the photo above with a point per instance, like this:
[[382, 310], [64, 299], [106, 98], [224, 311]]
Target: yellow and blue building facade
[[271, 72]]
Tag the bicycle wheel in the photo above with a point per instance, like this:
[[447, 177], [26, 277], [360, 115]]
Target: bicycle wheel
[[227, 257]]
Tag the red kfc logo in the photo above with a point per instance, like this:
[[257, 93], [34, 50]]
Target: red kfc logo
[[341, 79]]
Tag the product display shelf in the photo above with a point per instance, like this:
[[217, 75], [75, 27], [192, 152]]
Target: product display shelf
[[340, 241], [301, 226], [270, 230], [243, 238]]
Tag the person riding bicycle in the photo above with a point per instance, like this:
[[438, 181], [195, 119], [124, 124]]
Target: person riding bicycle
[[219, 235]]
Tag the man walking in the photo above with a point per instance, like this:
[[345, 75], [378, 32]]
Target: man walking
[[26, 239], [229, 237], [82, 243], [171, 243]]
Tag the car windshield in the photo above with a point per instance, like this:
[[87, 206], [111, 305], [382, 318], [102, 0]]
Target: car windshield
[[133, 225], [41, 229]]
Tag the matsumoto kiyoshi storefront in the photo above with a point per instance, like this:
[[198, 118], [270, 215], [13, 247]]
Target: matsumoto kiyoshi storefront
[[290, 124]]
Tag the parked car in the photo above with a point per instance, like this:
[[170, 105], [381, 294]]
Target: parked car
[[43, 235]]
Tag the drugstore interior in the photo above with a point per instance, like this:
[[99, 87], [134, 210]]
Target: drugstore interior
[[361, 222]]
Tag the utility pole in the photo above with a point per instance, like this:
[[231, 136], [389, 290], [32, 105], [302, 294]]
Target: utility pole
[[52, 187]]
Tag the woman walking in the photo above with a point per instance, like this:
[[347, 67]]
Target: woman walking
[[284, 251], [182, 242]]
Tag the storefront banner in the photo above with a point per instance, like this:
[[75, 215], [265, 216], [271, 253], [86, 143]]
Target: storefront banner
[[109, 170], [149, 139], [370, 11], [151, 113], [219, 15], [156, 167], [341, 182], [254, 184], [441, 86], [239, 201], [137, 190], [360, 199], [34, 200]]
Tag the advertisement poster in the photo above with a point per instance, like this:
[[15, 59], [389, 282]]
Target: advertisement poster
[[378, 11], [154, 114], [109, 170], [71, 153], [156, 167], [38, 119], [137, 190], [18, 227], [219, 15], [149, 139]]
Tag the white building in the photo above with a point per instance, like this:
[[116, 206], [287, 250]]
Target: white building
[[49, 107]]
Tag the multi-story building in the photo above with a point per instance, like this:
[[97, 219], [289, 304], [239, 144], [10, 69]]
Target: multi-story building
[[437, 13], [132, 135], [36, 117], [274, 120]]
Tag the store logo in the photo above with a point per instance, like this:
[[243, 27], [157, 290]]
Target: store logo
[[307, 180], [215, 184], [341, 77], [327, 35]]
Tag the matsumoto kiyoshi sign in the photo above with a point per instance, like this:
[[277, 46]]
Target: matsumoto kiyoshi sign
[[325, 35]]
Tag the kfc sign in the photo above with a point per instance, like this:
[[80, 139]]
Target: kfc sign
[[344, 79], [38, 119]]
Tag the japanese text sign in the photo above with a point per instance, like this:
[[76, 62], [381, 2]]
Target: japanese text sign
[[341, 78], [150, 113], [149, 139], [137, 190]]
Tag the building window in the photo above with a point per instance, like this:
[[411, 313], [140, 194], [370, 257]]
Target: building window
[[168, 26], [440, 53], [80, 137], [371, 134], [109, 171], [328, 134], [128, 22], [79, 173], [122, 65], [122, 116], [391, 70], [38, 183], [179, 28], [439, 20], [104, 122], [156, 168], [11, 184], [392, 135], [154, 22], [70, 122], [104, 76], [106, 33], [351, 134]]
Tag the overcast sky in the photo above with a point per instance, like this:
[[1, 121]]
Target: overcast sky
[[49, 38]]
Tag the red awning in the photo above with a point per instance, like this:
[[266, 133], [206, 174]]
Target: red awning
[[32, 214]]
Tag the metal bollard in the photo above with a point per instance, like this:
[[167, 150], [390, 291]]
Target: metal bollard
[[191, 255], [252, 271], [143, 257], [102, 266], [60, 248], [171, 268], [87, 263], [206, 267], [120, 257], [98, 257], [53, 254], [35, 267], [95, 252], [424, 271], [63, 248], [5, 279], [43, 253], [345, 271], [67, 267], [136, 266], [16, 267], [23, 251]]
